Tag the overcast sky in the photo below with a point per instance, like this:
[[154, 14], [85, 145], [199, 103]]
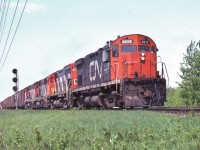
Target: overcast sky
[[53, 33]]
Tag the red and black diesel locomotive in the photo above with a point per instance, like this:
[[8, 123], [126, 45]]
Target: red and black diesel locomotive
[[124, 73]]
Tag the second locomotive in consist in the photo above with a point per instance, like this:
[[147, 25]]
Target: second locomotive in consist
[[124, 73]]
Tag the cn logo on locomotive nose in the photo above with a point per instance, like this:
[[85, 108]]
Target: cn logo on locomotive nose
[[94, 70]]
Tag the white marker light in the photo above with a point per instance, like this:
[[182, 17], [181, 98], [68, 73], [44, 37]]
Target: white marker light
[[142, 58]]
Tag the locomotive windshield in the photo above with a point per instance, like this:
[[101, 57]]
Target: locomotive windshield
[[144, 48], [129, 48]]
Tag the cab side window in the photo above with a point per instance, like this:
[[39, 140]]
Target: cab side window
[[154, 49], [115, 51]]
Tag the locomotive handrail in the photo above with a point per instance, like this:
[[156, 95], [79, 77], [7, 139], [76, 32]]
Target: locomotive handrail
[[165, 70], [132, 62], [116, 74], [167, 73], [160, 58]]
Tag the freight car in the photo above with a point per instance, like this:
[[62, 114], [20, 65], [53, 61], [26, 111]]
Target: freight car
[[124, 73]]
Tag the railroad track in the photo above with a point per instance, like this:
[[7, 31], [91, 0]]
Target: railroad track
[[178, 110], [156, 109], [172, 109], [183, 109]]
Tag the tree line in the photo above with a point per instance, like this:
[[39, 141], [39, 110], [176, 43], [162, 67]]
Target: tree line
[[187, 93]]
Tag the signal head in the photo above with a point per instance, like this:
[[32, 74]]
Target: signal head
[[15, 79], [14, 71], [15, 88]]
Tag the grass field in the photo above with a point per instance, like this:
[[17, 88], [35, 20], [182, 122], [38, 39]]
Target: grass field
[[95, 129]]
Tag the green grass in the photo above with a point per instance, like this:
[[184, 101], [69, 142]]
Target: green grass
[[96, 129]]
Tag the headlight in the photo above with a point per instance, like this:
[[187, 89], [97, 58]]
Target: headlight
[[142, 54]]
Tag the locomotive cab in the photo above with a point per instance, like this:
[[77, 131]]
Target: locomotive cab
[[133, 56]]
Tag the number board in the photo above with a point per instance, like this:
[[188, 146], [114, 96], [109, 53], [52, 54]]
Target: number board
[[127, 41], [145, 41]]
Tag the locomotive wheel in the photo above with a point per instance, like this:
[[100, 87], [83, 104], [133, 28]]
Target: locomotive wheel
[[51, 106], [110, 103], [42, 104], [38, 104], [33, 105], [73, 103], [67, 105], [30, 105], [80, 105]]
